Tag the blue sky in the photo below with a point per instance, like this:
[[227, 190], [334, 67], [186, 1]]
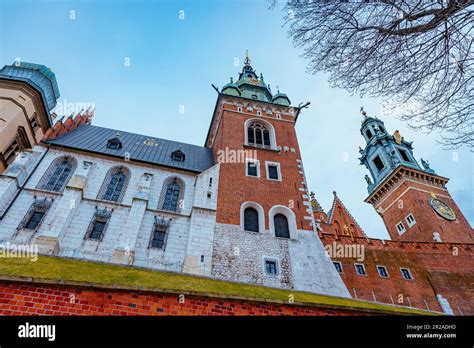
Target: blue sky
[[174, 61]]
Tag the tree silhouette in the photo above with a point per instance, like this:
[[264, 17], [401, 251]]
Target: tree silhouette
[[417, 55]]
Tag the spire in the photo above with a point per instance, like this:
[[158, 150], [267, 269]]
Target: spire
[[247, 58], [314, 203], [383, 152]]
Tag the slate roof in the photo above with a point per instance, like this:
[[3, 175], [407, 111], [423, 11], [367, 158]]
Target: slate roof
[[94, 139]]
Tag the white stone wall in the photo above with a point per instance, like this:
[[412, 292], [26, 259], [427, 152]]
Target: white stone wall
[[312, 268], [239, 256], [131, 223]]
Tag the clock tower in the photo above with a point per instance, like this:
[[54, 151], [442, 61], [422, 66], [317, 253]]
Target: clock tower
[[412, 200]]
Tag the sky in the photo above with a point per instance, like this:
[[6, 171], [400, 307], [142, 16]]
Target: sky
[[148, 66]]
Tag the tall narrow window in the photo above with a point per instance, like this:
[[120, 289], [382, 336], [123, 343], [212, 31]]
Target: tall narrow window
[[378, 163], [114, 184], [369, 134], [34, 220], [281, 226], [35, 215], [160, 230], [97, 226], [172, 195], [58, 174], [251, 220]]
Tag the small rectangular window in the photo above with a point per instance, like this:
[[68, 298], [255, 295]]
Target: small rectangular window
[[271, 267], [406, 274], [158, 240], [360, 269], [382, 270], [400, 228], [378, 163], [251, 168], [338, 266], [273, 171]]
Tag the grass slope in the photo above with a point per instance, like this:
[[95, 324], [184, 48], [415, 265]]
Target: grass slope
[[55, 268]]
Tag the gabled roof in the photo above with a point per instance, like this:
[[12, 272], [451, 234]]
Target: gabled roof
[[348, 216], [139, 147]]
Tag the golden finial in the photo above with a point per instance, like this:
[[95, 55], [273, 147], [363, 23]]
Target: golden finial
[[397, 136]]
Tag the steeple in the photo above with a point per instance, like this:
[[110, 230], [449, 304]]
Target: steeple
[[252, 86], [383, 152]]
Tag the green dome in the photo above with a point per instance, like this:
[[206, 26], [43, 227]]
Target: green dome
[[282, 99]]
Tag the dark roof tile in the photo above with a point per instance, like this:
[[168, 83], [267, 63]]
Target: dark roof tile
[[94, 139]]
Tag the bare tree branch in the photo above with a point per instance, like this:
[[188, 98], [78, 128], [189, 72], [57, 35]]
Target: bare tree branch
[[416, 55]]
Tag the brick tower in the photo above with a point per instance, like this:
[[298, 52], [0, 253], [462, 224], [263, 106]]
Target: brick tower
[[265, 228], [412, 200], [259, 129]]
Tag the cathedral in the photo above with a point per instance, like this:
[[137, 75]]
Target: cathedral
[[237, 208]]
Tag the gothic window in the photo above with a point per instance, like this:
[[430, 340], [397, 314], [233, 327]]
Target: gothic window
[[382, 271], [35, 215], [281, 226], [115, 184], [172, 195], [58, 174], [251, 220], [258, 135], [360, 269], [406, 274], [404, 155], [97, 226], [378, 163], [338, 266]]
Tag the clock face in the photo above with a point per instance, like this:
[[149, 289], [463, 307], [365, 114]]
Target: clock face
[[442, 209]]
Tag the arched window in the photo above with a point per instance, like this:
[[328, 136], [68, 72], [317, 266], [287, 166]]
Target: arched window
[[115, 184], [172, 195], [251, 220], [281, 226], [58, 174], [258, 135]]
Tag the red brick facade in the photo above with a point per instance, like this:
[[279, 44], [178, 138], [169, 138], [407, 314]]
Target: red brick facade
[[437, 268], [235, 187], [408, 191], [45, 299]]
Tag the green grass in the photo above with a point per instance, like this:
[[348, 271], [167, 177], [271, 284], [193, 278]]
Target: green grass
[[54, 268]]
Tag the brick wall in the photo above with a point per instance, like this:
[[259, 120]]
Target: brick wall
[[40, 299], [437, 268]]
